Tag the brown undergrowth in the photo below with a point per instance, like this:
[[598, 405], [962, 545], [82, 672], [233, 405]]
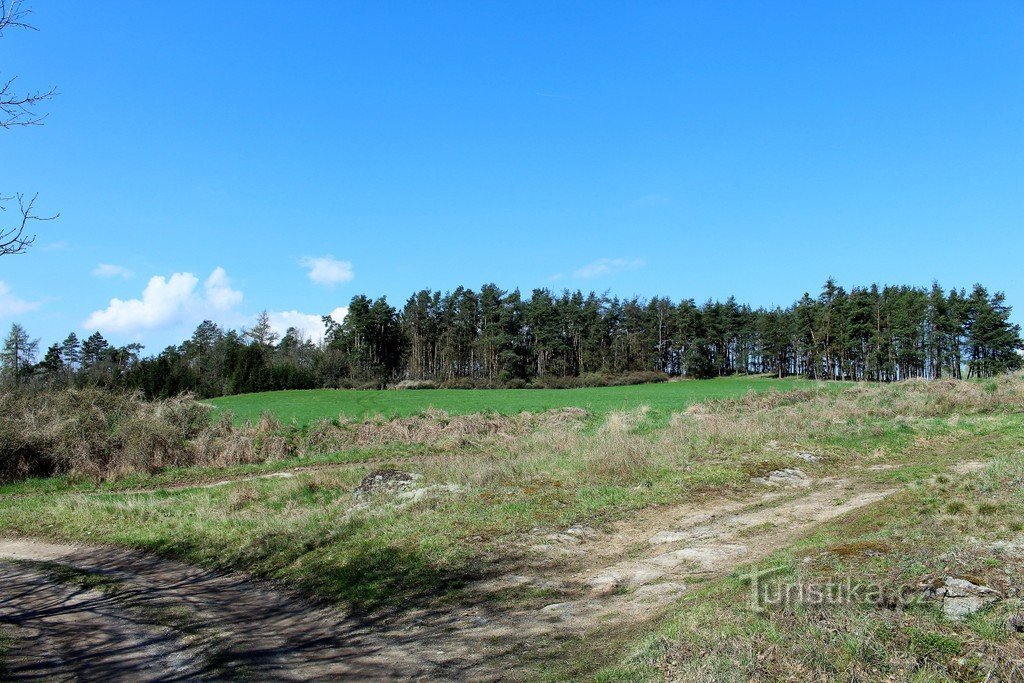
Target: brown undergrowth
[[98, 434]]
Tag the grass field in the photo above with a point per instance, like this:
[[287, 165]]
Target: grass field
[[307, 406], [486, 506]]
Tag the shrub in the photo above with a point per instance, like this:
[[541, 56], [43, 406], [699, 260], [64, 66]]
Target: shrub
[[100, 434], [588, 380], [585, 380], [94, 432], [416, 384]]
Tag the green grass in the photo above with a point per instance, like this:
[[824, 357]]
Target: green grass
[[307, 406], [313, 533], [713, 633]]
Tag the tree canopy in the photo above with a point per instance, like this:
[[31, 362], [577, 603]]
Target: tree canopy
[[492, 337]]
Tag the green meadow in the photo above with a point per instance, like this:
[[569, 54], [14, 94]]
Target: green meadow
[[304, 407]]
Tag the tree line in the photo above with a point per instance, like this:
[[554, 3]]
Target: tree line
[[493, 337]]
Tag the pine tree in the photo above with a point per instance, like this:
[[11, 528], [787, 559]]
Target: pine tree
[[70, 351], [52, 362], [18, 354], [992, 341], [261, 333], [93, 350]]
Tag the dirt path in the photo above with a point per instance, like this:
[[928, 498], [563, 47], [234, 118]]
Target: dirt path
[[138, 617], [188, 623]]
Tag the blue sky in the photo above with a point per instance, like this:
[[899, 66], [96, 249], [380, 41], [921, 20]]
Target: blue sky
[[285, 156]]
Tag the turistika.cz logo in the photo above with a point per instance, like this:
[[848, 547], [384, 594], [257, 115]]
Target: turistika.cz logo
[[766, 593]]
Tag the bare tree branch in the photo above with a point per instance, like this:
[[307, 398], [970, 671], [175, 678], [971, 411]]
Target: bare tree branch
[[15, 240], [13, 15], [18, 109]]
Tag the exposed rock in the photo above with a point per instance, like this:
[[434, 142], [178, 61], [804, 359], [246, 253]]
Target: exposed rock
[[961, 597], [386, 481], [581, 531], [415, 495], [807, 457], [1012, 547], [644, 575], [563, 539], [604, 584], [668, 537], [660, 592], [705, 557], [558, 611], [790, 476]]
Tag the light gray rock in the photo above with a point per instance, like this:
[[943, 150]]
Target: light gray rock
[[790, 477], [668, 537], [386, 481], [961, 598], [563, 539], [643, 575], [1011, 547], [604, 584], [705, 557], [417, 494], [558, 611], [581, 531]]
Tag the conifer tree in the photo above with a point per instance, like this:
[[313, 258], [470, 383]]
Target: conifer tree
[[18, 354]]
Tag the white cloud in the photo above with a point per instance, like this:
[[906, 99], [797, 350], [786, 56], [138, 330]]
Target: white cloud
[[12, 305], [608, 266], [167, 302], [310, 325], [219, 294], [111, 270], [327, 270]]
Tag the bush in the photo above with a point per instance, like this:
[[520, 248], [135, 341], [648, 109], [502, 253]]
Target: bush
[[471, 383], [597, 380], [586, 380], [416, 384], [101, 434], [94, 432], [459, 383]]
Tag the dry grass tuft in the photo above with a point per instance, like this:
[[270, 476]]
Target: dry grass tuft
[[434, 427], [98, 434], [625, 458]]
